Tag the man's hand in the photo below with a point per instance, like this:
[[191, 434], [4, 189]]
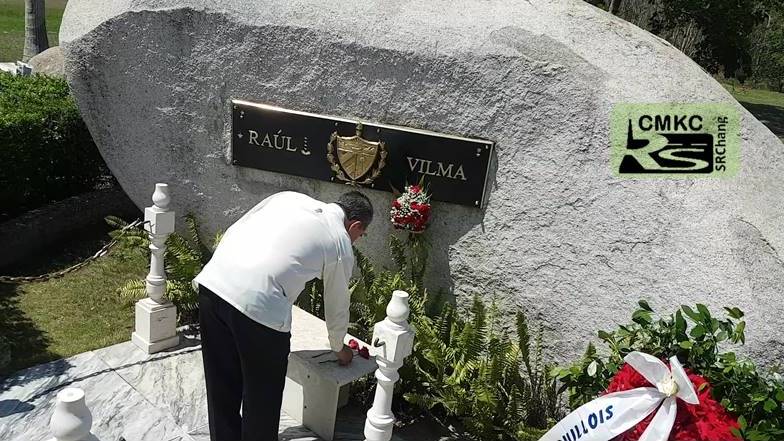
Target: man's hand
[[345, 356]]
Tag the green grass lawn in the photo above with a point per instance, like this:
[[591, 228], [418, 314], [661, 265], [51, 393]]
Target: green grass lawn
[[79, 312], [12, 26], [766, 105]]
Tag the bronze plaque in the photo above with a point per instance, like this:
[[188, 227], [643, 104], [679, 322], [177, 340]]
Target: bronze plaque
[[359, 153]]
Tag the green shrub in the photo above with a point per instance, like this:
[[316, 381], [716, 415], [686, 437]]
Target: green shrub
[[46, 150], [697, 338]]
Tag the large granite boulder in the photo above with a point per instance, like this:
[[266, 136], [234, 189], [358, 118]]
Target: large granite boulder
[[561, 236], [49, 62]]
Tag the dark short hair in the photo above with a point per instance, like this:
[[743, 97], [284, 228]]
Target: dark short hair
[[357, 207]]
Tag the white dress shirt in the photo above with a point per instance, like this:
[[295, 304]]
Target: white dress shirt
[[264, 260]]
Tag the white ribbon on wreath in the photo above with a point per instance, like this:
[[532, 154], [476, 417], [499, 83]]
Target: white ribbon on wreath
[[613, 414]]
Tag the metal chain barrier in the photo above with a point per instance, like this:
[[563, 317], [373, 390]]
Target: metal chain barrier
[[102, 252]]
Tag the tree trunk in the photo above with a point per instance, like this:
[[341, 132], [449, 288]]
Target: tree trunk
[[36, 40], [615, 5]]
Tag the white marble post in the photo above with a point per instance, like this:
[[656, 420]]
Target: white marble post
[[23, 69], [156, 316], [393, 340], [71, 419]]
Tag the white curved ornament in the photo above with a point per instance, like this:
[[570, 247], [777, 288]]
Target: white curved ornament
[[398, 309], [161, 196], [613, 414], [71, 420]]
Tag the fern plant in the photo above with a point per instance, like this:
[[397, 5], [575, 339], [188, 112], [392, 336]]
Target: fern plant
[[495, 385], [464, 368], [185, 256], [372, 291]]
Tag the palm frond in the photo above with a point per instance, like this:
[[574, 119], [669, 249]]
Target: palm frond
[[132, 291], [115, 222], [216, 241], [198, 248]]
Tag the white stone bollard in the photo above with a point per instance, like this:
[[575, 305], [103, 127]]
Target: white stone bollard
[[71, 420], [156, 316], [23, 69], [393, 340]]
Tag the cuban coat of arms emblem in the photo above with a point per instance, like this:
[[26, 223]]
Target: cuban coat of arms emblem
[[354, 159]]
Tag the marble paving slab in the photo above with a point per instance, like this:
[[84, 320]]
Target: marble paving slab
[[290, 430], [139, 397], [171, 380], [118, 410], [22, 387]]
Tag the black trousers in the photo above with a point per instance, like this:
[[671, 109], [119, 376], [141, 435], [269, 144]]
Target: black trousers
[[244, 362]]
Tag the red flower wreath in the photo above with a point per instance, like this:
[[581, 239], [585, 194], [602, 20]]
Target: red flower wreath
[[707, 421]]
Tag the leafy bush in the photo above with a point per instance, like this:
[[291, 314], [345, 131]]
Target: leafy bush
[[767, 50], [464, 371], [185, 256], [46, 149], [696, 337]]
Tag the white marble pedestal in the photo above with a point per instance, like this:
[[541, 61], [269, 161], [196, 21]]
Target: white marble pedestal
[[156, 326]]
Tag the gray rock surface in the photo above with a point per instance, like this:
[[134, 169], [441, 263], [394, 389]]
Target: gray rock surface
[[49, 62], [561, 237]]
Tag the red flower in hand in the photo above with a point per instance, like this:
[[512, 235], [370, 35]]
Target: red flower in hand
[[353, 344]]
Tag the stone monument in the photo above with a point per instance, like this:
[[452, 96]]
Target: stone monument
[[559, 235]]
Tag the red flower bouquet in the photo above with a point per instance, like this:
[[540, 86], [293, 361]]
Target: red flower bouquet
[[707, 421], [411, 211]]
